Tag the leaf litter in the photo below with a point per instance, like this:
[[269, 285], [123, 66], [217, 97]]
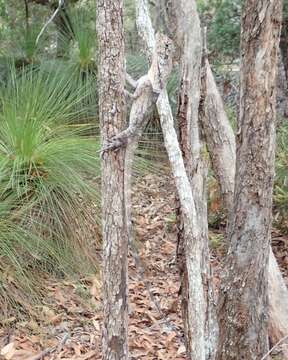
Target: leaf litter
[[69, 324]]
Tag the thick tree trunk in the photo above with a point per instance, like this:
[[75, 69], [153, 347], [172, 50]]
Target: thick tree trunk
[[115, 237], [243, 306], [222, 148], [193, 149]]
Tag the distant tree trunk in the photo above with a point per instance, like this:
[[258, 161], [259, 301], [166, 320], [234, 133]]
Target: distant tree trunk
[[27, 15], [115, 237], [243, 305], [284, 45], [278, 306], [188, 38], [220, 139]]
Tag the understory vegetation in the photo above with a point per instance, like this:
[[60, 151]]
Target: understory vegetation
[[50, 143]]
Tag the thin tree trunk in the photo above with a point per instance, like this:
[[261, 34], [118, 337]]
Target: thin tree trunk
[[243, 305], [192, 232], [195, 159], [284, 46], [115, 237], [27, 15], [195, 308], [220, 140]]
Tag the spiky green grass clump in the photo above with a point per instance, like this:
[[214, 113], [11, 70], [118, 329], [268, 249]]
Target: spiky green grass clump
[[45, 161]]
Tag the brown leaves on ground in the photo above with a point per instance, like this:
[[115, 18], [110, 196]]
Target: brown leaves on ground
[[69, 325]]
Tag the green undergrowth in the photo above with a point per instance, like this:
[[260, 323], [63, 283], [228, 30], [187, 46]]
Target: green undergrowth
[[45, 160], [50, 183]]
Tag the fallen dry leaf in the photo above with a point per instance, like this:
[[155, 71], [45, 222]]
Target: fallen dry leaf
[[8, 351]]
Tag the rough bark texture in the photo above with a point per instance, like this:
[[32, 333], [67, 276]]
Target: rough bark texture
[[194, 154], [192, 233], [243, 302], [196, 304], [115, 238], [143, 98], [222, 148], [220, 139]]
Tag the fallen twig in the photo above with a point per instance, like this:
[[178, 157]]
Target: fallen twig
[[274, 347], [57, 348]]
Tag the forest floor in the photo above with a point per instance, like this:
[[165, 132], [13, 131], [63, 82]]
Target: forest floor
[[69, 325]]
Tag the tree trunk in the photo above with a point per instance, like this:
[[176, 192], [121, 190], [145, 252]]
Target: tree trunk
[[222, 148], [195, 306], [115, 237], [220, 140], [284, 46], [243, 305], [192, 233], [193, 149]]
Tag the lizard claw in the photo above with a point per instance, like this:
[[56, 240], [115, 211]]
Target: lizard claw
[[112, 144]]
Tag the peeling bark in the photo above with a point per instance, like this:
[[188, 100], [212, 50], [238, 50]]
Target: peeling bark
[[188, 38], [192, 233], [115, 236], [243, 304]]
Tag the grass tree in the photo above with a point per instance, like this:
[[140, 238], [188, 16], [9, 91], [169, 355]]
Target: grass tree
[[45, 159]]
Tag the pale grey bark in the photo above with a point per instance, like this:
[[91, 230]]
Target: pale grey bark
[[220, 139], [145, 27], [278, 306], [115, 236], [243, 304], [192, 233], [189, 42]]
